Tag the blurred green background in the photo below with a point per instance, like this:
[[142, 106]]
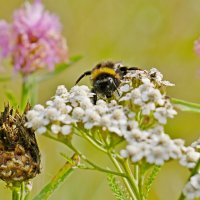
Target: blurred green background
[[140, 33]]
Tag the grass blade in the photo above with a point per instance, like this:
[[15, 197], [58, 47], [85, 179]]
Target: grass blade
[[11, 98], [58, 179], [186, 105]]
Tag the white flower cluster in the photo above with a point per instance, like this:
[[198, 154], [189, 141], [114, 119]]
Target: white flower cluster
[[147, 95], [189, 157], [196, 144], [156, 147], [107, 116], [152, 145], [192, 188], [55, 116], [152, 75], [74, 107]]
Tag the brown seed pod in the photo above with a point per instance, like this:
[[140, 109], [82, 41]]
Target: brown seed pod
[[19, 152]]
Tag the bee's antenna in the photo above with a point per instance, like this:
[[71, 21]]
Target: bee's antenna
[[87, 73]]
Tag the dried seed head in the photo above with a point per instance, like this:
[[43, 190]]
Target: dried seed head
[[19, 153]]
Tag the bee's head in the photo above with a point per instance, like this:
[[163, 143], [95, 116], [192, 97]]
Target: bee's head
[[106, 85]]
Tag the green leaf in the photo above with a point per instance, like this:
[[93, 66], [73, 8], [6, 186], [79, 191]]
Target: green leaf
[[185, 105], [196, 169], [11, 98], [58, 69], [150, 180], [75, 58], [58, 179], [118, 190], [25, 93]]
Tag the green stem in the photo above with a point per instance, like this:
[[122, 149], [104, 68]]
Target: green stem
[[24, 93], [91, 141], [131, 179], [26, 190], [58, 179], [16, 192], [20, 191], [29, 91], [125, 180], [33, 90], [136, 172], [186, 105], [96, 167]]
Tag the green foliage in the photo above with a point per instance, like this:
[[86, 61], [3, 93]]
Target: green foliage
[[185, 105], [11, 98], [150, 179], [118, 190], [58, 179]]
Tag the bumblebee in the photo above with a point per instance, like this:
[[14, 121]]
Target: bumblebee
[[106, 78]]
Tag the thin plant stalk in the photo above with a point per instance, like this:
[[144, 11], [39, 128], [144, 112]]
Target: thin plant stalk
[[20, 191], [16, 193], [83, 157], [125, 180], [24, 92], [186, 105]]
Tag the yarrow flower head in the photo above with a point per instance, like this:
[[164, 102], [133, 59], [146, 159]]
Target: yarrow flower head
[[137, 116], [146, 92], [192, 188], [153, 145], [33, 40], [189, 157]]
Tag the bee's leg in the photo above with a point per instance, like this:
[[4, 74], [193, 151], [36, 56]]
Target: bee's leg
[[124, 70], [116, 88], [94, 98], [87, 73]]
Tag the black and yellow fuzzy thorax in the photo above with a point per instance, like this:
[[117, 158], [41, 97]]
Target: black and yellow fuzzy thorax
[[103, 71], [105, 78]]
